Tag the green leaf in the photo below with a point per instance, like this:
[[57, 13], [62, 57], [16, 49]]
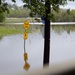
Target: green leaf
[[13, 0]]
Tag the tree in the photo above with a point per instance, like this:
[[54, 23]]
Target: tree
[[43, 8], [2, 17], [3, 8], [16, 11]]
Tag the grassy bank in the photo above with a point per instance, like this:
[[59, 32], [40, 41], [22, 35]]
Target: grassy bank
[[12, 29], [15, 20], [8, 30], [19, 20], [16, 29]]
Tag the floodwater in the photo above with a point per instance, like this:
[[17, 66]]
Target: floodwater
[[12, 49]]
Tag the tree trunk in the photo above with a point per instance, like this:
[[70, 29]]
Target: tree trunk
[[0, 2], [47, 35]]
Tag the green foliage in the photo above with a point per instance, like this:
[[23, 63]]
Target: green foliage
[[3, 9], [2, 16], [16, 11], [3, 6], [11, 29], [13, 0], [38, 6], [64, 15]]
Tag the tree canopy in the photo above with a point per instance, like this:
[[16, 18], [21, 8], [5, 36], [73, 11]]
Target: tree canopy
[[17, 11], [38, 6], [2, 16]]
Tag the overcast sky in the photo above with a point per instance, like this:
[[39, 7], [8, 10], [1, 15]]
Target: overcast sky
[[70, 5], [18, 2]]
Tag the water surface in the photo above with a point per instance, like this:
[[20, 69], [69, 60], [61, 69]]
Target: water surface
[[11, 49]]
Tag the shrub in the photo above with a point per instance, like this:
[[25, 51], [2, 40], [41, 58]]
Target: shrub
[[2, 16]]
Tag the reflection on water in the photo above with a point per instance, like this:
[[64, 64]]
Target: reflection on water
[[26, 66], [11, 49], [1, 37], [61, 28], [62, 42]]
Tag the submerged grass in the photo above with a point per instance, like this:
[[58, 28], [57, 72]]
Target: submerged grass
[[9, 30], [6, 29], [17, 29]]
